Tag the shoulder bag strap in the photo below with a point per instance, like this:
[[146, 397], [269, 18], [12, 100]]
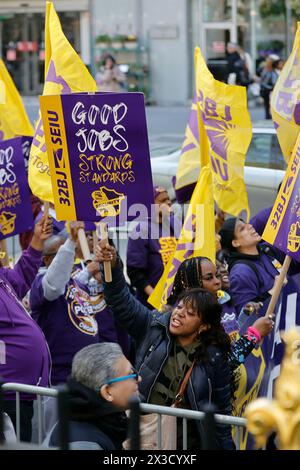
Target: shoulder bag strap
[[180, 394]]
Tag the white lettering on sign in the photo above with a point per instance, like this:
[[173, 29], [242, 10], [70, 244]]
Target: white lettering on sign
[[100, 138], [7, 174]]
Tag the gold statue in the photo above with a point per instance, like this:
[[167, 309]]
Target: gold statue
[[282, 414]]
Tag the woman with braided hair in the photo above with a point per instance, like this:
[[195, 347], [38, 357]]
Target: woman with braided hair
[[201, 272]]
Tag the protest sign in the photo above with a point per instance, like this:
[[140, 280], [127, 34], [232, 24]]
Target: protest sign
[[283, 227], [98, 153], [15, 208]]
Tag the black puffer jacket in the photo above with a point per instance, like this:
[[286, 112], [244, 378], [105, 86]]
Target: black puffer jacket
[[94, 423], [209, 382]]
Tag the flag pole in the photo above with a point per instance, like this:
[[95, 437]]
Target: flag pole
[[279, 281], [95, 240], [107, 264], [84, 245]]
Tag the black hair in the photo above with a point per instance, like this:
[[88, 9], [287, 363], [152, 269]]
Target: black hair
[[207, 306], [109, 56], [188, 276]]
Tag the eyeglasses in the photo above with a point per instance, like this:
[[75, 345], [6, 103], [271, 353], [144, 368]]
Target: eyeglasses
[[134, 375]]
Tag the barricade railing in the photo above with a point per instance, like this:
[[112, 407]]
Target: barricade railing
[[185, 414]]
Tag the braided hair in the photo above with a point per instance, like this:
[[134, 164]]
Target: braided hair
[[188, 276]]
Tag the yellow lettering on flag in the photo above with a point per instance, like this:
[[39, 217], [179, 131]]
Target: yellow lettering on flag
[[197, 237], [13, 117], [65, 73], [285, 101], [227, 124]]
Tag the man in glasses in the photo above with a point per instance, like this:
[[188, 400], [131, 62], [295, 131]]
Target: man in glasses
[[101, 386]]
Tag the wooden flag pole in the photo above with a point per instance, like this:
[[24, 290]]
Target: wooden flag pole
[[107, 264], [278, 285], [46, 208], [84, 245], [95, 240]]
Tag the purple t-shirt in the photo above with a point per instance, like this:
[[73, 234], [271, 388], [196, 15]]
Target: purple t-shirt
[[24, 354], [70, 323]]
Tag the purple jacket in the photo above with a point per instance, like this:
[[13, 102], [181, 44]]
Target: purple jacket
[[26, 356], [245, 284], [70, 323]]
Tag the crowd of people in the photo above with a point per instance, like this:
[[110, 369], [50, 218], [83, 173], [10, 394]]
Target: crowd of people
[[105, 340]]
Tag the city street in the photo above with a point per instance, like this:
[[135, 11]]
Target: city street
[[166, 124]]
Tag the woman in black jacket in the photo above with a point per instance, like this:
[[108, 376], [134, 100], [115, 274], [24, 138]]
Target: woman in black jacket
[[168, 344]]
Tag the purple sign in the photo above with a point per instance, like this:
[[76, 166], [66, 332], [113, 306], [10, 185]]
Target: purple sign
[[99, 156], [15, 207]]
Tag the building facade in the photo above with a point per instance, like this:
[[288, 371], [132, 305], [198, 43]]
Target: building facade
[[159, 60], [22, 42]]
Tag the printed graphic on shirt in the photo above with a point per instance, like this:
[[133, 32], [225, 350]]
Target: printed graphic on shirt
[[230, 325], [82, 309], [167, 248]]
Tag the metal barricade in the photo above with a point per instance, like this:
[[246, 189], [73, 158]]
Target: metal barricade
[[144, 408], [196, 415], [32, 390]]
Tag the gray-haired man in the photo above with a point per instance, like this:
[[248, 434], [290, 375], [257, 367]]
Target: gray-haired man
[[101, 385]]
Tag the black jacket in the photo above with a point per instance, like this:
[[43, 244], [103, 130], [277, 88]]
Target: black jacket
[[94, 423], [209, 382]]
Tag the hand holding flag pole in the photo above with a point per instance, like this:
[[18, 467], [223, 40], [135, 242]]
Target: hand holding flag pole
[[278, 284], [106, 264]]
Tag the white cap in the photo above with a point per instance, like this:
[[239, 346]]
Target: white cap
[[273, 57]]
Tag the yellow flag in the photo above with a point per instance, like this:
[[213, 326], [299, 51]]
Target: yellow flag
[[197, 237], [285, 101], [65, 73], [188, 169], [194, 151], [13, 117], [227, 124]]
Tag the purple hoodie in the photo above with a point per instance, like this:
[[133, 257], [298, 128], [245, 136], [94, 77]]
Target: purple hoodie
[[26, 353]]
